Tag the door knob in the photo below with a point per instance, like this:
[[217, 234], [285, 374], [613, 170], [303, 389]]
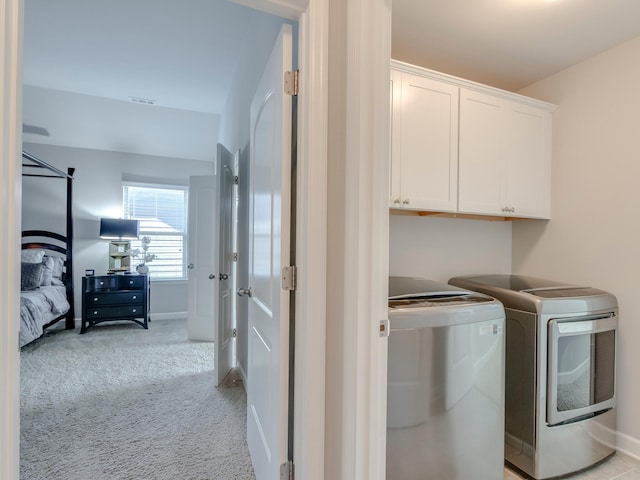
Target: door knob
[[190, 266], [224, 276], [212, 276], [244, 291]]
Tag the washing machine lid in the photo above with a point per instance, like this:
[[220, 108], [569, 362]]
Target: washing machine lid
[[528, 294], [519, 283], [413, 292], [407, 287]]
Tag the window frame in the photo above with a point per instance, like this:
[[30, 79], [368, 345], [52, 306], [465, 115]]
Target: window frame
[[184, 234]]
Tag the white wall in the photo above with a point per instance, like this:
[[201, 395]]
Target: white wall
[[440, 248], [234, 124], [71, 121], [98, 193], [594, 234]]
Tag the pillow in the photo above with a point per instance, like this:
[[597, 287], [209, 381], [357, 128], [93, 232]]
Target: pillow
[[32, 255], [47, 273], [58, 267], [31, 276]]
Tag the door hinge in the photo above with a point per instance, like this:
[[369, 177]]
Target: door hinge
[[384, 327], [286, 471], [236, 180], [291, 82], [235, 256], [289, 278], [234, 333]]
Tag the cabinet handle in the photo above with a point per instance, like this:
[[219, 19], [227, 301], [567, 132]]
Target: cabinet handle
[[405, 202], [396, 201]]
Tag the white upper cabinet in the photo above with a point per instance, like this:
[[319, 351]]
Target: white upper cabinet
[[424, 143], [504, 161], [461, 147]]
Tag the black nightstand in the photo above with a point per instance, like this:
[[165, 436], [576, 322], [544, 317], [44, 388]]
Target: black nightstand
[[107, 298]]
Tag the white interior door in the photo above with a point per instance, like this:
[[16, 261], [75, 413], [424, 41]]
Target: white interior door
[[202, 258], [269, 224], [224, 325]]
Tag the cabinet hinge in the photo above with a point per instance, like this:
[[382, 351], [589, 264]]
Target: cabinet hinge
[[236, 180], [286, 471], [384, 327], [289, 278], [235, 256], [291, 82], [234, 333]]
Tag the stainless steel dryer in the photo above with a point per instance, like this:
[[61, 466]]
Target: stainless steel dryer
[[445, 397], [560, 372]]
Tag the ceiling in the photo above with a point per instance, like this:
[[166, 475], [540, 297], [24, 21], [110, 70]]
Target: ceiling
[[509, 44], [185, 55]]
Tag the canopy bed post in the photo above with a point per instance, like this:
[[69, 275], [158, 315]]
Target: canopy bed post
[[70, 321]]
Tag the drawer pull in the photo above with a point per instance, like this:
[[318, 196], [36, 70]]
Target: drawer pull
[[130, 282], [101, 283], [134, 297], [95, 312], [95, 299], [134, 310]]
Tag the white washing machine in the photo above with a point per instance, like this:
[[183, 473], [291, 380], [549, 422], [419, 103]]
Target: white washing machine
[[445, 397]]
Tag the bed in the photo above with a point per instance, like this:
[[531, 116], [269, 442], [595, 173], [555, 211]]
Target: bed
[[46, 286]]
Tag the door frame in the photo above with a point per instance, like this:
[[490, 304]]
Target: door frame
[[354, 445]]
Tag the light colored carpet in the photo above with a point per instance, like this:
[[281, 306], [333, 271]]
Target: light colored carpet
[[124, 403]]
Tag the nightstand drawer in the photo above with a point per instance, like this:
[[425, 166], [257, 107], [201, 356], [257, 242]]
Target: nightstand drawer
[[95, 284], [126, 282], [116, 312], [114, 298]]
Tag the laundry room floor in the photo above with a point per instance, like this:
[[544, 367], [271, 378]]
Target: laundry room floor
[[620, 467]]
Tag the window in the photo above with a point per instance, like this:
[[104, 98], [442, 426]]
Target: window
[[162, 211]]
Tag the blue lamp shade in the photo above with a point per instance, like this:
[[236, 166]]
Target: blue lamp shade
[[119, 228]]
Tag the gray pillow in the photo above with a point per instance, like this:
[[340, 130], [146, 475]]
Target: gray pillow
[[31, 276], [47, 273]]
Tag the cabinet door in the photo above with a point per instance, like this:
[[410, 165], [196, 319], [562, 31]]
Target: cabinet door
[[425, 149], [395, 145], [481, 176], [527, 157]]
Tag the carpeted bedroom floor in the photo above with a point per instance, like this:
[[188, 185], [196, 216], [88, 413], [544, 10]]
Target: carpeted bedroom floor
[[124, 403]]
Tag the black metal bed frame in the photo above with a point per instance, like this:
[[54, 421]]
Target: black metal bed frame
[[65, 245]]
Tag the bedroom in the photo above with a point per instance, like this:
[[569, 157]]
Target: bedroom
[[101, 153], [178, 138]]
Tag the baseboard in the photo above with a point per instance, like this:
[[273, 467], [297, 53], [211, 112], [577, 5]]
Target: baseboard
[[243, 374], [168, 316], [628, 445]]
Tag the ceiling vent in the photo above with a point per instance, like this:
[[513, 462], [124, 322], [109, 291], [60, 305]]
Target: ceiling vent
[[143, 101]]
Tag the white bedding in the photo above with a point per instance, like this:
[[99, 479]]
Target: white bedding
[[38, 307]]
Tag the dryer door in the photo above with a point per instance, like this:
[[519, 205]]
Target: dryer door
[[581, 356]]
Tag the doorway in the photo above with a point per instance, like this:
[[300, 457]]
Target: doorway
[[310, 398], [225, 131]]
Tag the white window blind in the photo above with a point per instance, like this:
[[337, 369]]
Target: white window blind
[[162, 212]]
